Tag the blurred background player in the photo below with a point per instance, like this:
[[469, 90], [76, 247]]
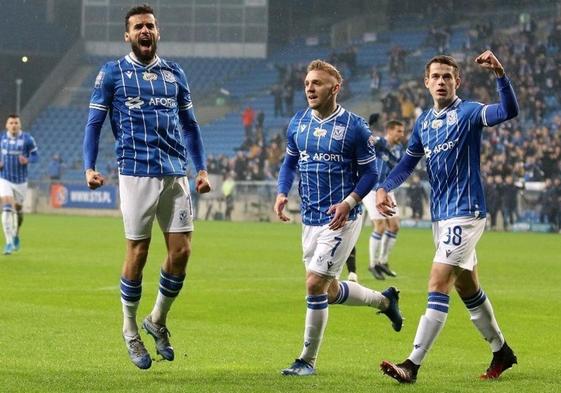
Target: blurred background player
[[18, 149], [449, 137], [351, 260], [333, 150], [389, 150], [148, 98]]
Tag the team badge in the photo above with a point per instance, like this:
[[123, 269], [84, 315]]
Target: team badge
[[149, 76], [320, 132], [168, 76], [451, 118], [437, 123], [183, 216], [338, 132], [99, 79]]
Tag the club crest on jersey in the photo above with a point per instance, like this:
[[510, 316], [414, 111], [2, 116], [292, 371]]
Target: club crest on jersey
[[149, 76], [320, 132], [338, 132], [168, 76], [451, 118], [99, 79], [437, 123]]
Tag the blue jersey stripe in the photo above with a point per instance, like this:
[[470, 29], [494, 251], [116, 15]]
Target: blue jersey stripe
[[145, 102], [450, 140], [12, 148], [329, 153]]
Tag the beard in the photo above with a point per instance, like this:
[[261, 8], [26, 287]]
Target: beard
[[142, 54]]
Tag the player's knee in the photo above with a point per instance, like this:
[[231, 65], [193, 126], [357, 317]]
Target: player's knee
[[393, 227], [315, 284], [438, 283], [180, 254]]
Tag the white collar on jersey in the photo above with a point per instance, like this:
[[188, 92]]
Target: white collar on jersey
[[338, 111], [14, 136], [131, 58], [453, 104]]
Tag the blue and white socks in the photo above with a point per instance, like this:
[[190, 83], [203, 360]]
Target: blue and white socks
[[387, 243], [430, 325], [354, 294], [483, 318], [316, 319], [131, 291], [9, 224], [170, 286], [375, 243]]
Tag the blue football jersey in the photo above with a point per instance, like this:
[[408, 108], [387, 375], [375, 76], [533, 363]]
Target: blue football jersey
[[143, 102], [330, 151], [387, 158], [12, 148], [450, 141]]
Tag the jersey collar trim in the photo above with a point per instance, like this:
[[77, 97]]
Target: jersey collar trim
[[338, 111], [453, 104], [131, 59]]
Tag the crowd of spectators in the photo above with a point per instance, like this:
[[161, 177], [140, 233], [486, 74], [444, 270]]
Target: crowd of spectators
[[523, 150]]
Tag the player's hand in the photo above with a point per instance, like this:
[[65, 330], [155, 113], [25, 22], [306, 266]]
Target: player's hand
[[23, 160], [94, 179], [340, 212], [280, 203], [384, 203], [488, 60], [202, 185]]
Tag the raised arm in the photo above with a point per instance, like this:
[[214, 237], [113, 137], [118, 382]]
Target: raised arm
[[507, 108]]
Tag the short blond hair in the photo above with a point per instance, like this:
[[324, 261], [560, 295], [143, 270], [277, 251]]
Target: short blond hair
[[320, 65]]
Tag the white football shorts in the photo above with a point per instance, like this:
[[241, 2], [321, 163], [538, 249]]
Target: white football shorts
[[325, 251], [455, 240], [143, 198], [369, 202], [16, 190]]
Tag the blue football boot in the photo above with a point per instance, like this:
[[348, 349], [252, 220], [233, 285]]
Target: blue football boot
[[299, 368], [137, 352], [392, 312], [161, 335]]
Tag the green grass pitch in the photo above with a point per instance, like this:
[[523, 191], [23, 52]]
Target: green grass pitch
[[239, 319]]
